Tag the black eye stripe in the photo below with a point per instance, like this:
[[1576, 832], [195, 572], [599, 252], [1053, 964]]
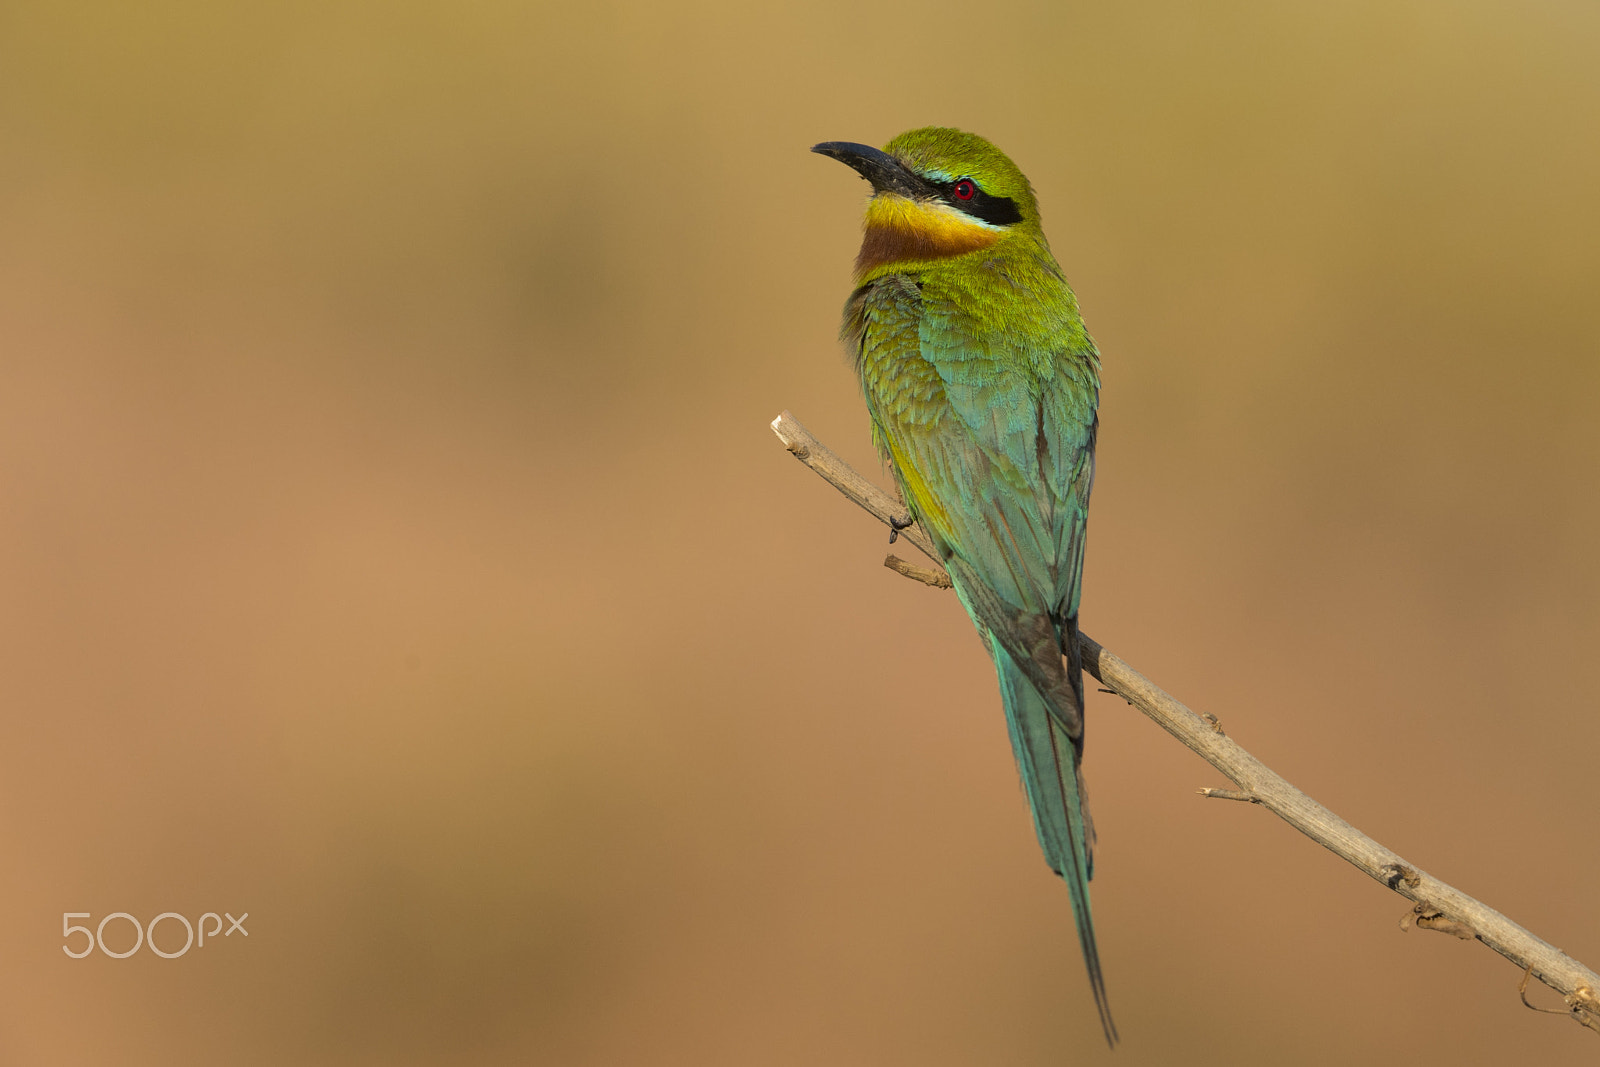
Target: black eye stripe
[[998, 210]]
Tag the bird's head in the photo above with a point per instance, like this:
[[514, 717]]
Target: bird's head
[[936, 193]]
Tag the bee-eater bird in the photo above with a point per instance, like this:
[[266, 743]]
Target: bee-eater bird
[[982, 386]]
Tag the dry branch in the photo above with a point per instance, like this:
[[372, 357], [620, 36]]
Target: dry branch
[[1437, 905]]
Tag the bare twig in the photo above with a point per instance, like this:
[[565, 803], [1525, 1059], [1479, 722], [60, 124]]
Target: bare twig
[[936, 578], [1439, 906]]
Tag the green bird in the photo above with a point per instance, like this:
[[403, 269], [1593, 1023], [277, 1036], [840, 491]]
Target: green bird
[[982, 385]]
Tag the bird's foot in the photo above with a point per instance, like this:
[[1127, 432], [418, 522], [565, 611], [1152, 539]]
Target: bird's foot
[[898, 524]]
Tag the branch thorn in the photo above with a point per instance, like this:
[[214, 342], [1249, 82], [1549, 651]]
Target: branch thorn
[[1230, 794], [1429, 918]]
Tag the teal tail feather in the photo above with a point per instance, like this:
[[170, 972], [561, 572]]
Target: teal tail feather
[[1049, 760]]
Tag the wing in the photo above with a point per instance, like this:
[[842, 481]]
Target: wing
[[991, 434]]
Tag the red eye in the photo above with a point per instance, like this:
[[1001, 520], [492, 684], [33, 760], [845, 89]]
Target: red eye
[[964, 189]]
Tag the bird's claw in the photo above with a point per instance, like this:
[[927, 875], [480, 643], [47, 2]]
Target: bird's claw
[[896, 525]]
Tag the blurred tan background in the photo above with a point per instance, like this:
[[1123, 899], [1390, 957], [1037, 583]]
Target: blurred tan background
[[392, 544]]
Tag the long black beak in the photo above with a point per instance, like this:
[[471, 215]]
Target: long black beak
[[886, 173]]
